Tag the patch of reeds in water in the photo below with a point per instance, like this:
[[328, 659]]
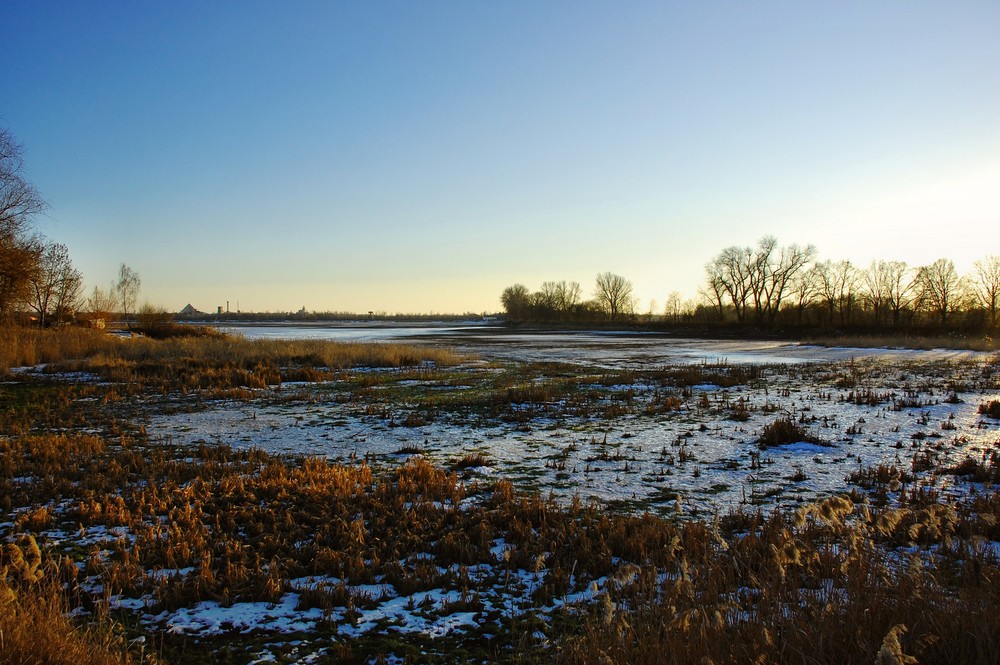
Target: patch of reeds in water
[[218, 362]]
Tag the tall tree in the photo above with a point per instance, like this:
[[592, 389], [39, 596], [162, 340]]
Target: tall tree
[[986, 285], [804, 289], [673, 307], [888, 286], [127, 291], [100, 303], [568, 296], [516, 301], [838, 287], [613, 294], [730, 273], [940, 288], [714, 291], [900, 285], [20, 248], [779, 273], [756, 279], [56, 284]]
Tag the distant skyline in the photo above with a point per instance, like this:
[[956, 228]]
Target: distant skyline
[[420, 157]]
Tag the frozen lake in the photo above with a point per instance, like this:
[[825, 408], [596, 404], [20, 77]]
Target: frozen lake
[[600, 348]]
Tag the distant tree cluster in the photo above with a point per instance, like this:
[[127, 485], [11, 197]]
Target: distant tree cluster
[[562, 302], [755, 281], [769, 285]]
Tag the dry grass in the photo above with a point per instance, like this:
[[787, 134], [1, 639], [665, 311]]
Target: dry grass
[[34, 626], [823, 588], [304, 353], [991, 409], [828, 585], [21, 347], [195, 363], [967, 343], [783, 431], [839, 582]]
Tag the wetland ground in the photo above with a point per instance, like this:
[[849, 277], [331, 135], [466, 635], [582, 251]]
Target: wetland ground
[[522, 500]]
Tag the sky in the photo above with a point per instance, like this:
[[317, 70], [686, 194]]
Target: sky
[[407, 157]]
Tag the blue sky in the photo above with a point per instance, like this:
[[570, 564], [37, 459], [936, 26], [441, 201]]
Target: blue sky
[[422, 156]]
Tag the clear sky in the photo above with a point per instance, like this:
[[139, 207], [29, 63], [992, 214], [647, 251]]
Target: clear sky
[[422, 156]]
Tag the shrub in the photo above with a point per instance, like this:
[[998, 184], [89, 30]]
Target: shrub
[[472, 460], [990, 409], [784, 431]]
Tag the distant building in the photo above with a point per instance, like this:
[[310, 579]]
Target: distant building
[[189, 310]]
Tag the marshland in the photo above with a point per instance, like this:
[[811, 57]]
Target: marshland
[[220, 498], [519, 333]]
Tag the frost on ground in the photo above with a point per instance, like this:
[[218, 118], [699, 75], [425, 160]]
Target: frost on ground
[[699, 455], [676, 439]]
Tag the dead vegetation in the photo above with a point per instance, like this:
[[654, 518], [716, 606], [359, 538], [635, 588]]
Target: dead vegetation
[[216, 363], [895, 570], [784, 431], [826, 585], [34, 622], [990, 409]]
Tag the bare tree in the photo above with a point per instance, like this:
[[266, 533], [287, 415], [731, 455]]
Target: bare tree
[[779, 275], [69, 294], [888, 286], [613, 294], [838, 284], [729, 273], [756, 279], [568, 295], [672, 308], [548, 296], [557, 300], [940, 288], [900, 284], [875, 289], [804, 289], [714, 291], [985, 284], [127, 291], [651, 312], [56, 284], [101, 303], [20, 248]]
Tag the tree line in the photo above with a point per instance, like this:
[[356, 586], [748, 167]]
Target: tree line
[[768, 285], [37, 276], [562, 302]]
